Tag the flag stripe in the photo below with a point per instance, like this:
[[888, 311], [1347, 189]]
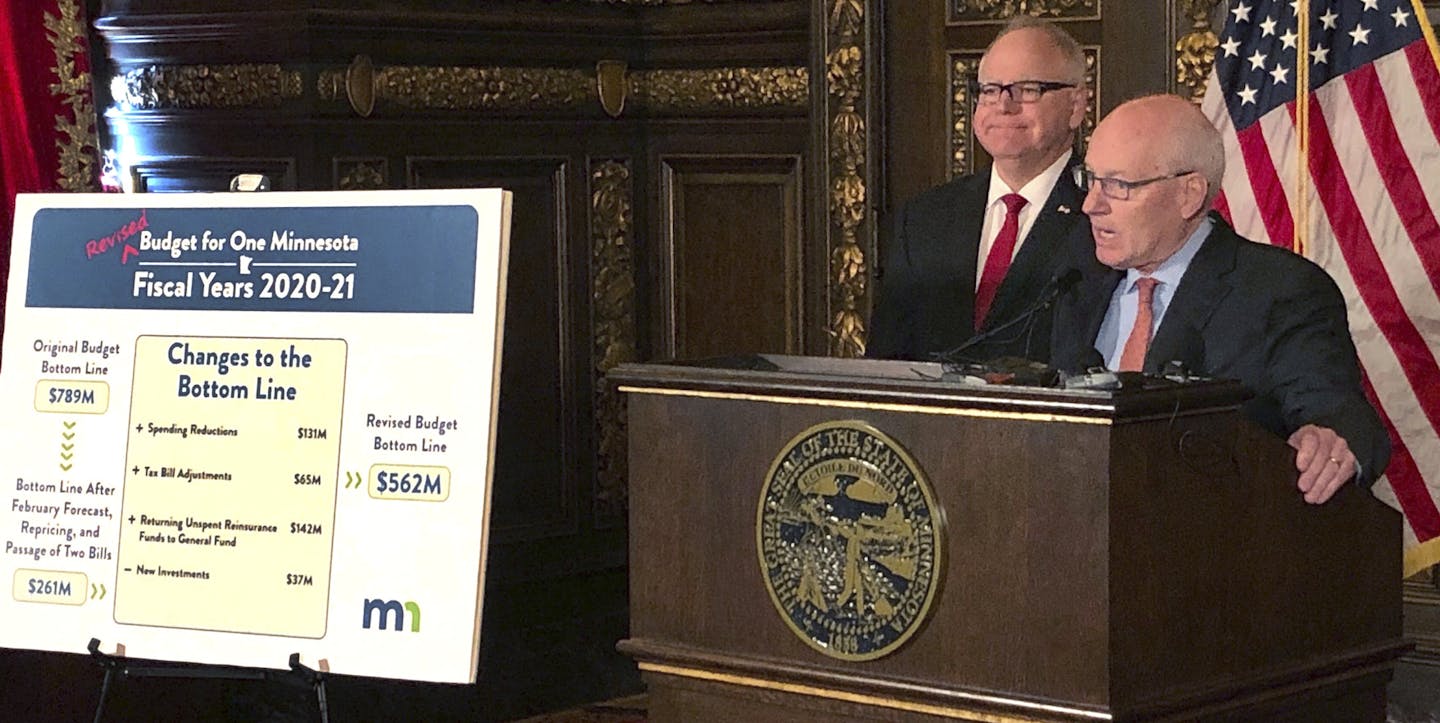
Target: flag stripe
[[1369, 272], [1239, 204], [1415, 501], [1416, 109], [1427, 82], [1281, 133], [1368, 176], [1269, 191], [1393, 166], [1222, 207], [1388, 385]]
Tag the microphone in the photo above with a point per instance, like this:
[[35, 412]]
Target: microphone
[[1061, 282]]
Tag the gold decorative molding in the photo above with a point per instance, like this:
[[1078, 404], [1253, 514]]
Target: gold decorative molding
[[612, 283], [659, 2], [1195, 50], [848, 156], [76, 141], [964, 69], [418, 87], [985, 11], [713, 89], [360, 174], [158, 87], [1092, 83], [612, 85]]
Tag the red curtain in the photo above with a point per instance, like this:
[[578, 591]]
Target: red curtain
[[47, 111]]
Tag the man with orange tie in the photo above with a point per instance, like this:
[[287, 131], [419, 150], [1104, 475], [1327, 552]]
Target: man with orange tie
[[1178, 284], [977, 252]]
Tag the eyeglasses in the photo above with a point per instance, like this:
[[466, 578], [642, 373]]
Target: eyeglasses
[[1021, 91], [1116, 188]]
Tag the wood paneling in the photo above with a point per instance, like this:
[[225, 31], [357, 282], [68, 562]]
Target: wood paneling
[[180, 174], [536, 446], [732, 255]]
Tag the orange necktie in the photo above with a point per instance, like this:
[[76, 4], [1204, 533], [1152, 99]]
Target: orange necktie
[[1132, 359], [998, 262]]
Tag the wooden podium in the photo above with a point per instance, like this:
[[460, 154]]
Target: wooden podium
[[1139, 554]]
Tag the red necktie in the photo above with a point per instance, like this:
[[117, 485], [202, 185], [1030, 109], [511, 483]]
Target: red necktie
[[998, 262], [1132, 359]]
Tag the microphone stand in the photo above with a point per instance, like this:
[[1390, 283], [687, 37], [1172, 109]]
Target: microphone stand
[[1060, 283]]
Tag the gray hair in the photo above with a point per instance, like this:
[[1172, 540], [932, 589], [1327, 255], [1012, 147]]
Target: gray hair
[[1059, 39]]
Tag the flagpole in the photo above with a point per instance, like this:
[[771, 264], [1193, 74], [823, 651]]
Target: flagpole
[[1426, 554], [1427, 31], [1302, 129]]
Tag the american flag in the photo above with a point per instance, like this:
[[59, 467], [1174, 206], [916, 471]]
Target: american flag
[[1366, 209]]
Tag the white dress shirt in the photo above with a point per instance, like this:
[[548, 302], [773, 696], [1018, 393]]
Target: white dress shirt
[[1125, 302], [1036, 193]]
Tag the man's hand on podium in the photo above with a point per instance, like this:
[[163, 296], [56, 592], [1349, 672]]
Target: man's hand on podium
[[1324, 460]]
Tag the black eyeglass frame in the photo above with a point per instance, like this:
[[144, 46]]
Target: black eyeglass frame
[[1117, 189], [1017, 90]]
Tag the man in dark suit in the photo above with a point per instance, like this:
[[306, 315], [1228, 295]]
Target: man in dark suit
[[1177, 284], [976, 252]]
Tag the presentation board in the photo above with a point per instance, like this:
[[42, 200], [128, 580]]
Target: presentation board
[[240, 426]]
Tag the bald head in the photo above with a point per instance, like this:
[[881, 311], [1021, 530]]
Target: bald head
[[1175, 133], [1159, 163]]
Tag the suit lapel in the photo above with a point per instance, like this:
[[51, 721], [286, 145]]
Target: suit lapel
[[962, 231], [1205, 284], [1035, 262]]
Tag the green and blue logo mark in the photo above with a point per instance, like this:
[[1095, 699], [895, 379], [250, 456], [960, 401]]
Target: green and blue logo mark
[[384, 609]]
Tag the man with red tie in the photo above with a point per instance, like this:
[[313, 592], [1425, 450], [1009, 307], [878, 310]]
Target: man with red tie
[[977, 252], [1177, 284]]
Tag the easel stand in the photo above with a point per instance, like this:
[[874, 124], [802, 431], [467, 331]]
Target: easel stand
[[135, 668]]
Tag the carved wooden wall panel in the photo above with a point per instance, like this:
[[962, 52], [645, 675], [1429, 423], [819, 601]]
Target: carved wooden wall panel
[[183, 174], [536, 443], [732, 254]]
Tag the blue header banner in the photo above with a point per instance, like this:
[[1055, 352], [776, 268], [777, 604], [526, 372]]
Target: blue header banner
[[400, 259]]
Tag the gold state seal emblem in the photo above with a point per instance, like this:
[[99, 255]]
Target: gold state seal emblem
[[849, 536]]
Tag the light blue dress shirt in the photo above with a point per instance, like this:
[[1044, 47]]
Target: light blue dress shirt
[[1125, 302]]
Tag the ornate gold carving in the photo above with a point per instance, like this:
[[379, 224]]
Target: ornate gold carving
[[991, 10], [663, 91], [612, 271], [964, 68], [845, 92], [1092, 83], [158, 87], [360, 174], [720, 88], [656, 2], [76, 141], [483, 88], [1195, 51]]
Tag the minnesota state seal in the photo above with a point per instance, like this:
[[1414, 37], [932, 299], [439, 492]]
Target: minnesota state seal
[[850, 540]]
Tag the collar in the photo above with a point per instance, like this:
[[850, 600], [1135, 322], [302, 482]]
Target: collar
[[1037, 191], [1169, 272]]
